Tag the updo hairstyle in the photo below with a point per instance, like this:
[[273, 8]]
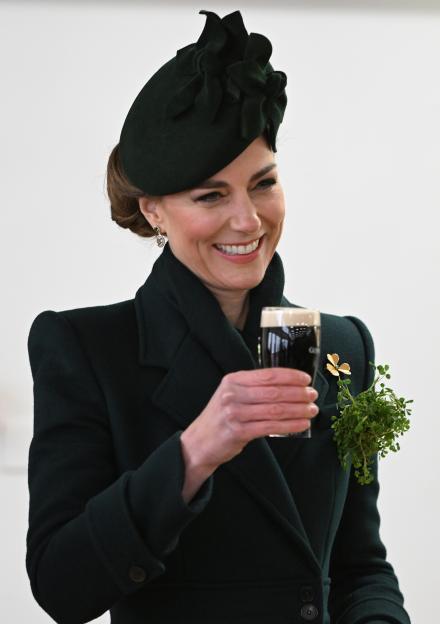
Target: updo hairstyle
[[123, 196]]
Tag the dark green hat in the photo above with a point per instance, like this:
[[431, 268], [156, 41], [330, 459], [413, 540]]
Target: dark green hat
[[202, 108]]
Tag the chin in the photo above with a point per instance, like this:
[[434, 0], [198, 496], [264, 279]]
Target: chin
[[249, 282]]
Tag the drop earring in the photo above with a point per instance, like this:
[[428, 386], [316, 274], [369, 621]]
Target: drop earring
[[160, 240]]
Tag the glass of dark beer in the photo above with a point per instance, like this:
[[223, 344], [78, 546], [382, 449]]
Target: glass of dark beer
[[290, 337]]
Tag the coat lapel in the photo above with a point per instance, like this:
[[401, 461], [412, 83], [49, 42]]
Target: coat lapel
[[183, 330]]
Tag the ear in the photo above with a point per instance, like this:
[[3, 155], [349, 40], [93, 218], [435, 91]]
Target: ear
[[150, 208]]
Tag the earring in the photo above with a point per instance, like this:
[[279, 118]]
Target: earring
[[160, 240]]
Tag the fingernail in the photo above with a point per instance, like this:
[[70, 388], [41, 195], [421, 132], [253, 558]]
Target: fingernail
[[307, 378], [314, 409], [312, 393]]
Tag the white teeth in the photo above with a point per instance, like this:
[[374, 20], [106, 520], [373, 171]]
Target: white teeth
[[239, 249]]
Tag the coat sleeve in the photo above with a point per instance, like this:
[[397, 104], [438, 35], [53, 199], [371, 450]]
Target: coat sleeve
[[364, 587], [84, 549]]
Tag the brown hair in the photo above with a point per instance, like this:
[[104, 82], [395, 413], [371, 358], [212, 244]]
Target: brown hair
[[123, 196]]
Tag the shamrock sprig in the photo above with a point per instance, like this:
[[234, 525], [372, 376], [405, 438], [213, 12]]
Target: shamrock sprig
[[368, 423]]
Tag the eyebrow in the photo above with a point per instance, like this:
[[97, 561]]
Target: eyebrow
[[213, 183]]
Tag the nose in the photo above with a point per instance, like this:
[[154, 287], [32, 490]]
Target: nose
[[244, 217]]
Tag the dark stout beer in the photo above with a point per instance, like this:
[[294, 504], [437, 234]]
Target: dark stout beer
[[290, 337], [294, 347]]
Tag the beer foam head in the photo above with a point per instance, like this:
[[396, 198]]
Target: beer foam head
[[284, 316]]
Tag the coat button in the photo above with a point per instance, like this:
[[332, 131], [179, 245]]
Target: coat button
[[137, 574], [306, 593], [309, 612]]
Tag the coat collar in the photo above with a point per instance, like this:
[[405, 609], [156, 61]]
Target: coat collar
[[182, 329], [175, 300]]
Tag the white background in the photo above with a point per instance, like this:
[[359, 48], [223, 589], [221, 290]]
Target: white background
[[358, 155]]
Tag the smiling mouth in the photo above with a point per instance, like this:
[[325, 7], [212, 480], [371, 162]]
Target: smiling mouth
[[239, 250]]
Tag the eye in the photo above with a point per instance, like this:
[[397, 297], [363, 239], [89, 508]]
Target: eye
[[267, 182], [215, 195], [209, 197]]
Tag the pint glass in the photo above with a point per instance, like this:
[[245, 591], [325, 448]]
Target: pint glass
[[290, 337]]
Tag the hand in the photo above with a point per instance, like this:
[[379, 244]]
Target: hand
[[247, 405]]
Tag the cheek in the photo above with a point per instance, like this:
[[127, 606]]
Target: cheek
[[281, 212], [203, 227], [191, 225], [274, 211], [280, 205]]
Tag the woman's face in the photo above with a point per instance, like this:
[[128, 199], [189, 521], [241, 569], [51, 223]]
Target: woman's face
[[214, 228]]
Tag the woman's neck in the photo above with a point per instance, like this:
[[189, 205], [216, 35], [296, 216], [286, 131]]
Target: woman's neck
[[235, 306]]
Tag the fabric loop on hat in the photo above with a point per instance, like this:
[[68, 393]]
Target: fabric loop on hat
[[258, 48], [214, 82], [205, 61], [209, 98], [214, 35]]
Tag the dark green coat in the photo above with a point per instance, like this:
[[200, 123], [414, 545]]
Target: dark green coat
[[263, 541]]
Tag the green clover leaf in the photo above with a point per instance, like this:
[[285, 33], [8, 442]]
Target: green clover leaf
[[368, 423]]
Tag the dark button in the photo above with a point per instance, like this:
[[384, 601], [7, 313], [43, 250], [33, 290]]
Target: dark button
[[306, 593], [137, 574], [309, 612]]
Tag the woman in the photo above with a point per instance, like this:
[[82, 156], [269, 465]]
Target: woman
[[154, 491]]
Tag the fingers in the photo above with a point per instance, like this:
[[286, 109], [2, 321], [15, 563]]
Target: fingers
[[269, 376], [276, 412], [273, 394], [257, 402], [259, 429]]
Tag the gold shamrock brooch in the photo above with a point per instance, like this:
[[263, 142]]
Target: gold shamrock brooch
[[334, 367]]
